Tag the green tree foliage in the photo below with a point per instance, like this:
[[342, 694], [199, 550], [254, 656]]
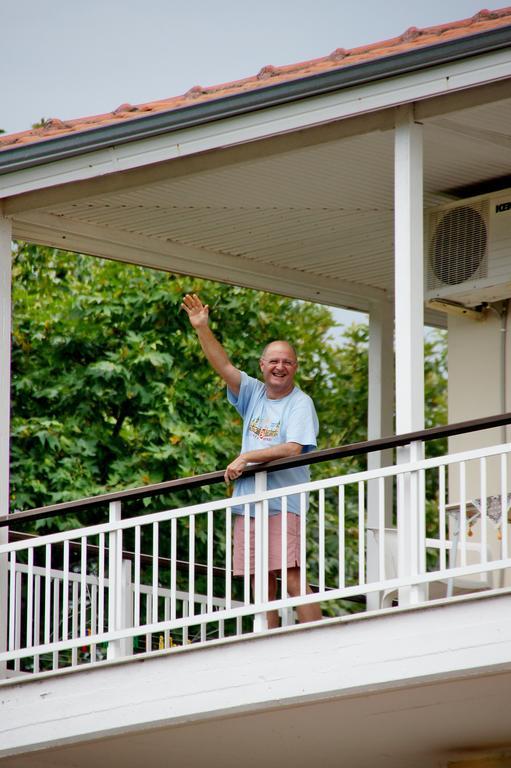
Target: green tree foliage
[[110, 388]]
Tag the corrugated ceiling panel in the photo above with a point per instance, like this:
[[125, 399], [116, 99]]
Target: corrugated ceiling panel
[[325, 209]]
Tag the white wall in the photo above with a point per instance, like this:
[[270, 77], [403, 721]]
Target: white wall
[[475, 371]]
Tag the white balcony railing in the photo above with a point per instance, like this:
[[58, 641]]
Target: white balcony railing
[[133, 585]]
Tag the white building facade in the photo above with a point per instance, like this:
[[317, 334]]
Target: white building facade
[[378, 181]]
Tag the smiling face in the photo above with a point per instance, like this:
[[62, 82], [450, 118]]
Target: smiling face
[[278, 365]]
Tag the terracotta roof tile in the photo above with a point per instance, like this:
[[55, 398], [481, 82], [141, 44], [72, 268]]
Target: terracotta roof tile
[[411, 39]]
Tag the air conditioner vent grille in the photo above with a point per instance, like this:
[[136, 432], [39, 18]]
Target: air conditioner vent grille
[[458, 245]]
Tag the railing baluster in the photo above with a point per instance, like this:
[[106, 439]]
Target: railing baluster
[[463, 516], [209, 562], [155, 572], [422, 521], [321, 533], [148, 620], [74, 621], [283, 548], [65, 591], [101, 583], [136, 585], [341, 536], [37, 618], [191, 566], [361, 532], [442, 524], [166, 617], [484, 516], [17, 634], [185, 616], [83, 586], [381, 529], [228, 558], [266, 552], [93, 619], [203, 624], [173, 567], [30, 597], [47, 594], [303, 543], [401, 555], [56, 619], [246, 553]]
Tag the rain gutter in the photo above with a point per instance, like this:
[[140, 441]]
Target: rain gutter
[[51, 150]]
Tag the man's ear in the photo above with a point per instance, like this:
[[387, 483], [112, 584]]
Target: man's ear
[[260, 365]]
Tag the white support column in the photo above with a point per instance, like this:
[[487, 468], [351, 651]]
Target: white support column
[[5, 406], [409, 328], [5, 359], [379, 423]]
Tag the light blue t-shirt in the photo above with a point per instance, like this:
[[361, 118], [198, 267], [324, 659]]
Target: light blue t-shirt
[[291, 419]]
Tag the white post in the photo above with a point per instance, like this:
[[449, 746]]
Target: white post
[[260, 557], [126, 617], [114, 581], [409, 329], [5, 408], [379, 424]]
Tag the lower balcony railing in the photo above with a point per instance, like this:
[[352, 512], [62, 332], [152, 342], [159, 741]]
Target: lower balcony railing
[[412, 532]]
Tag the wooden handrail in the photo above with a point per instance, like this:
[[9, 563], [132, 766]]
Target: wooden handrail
[[212, 478]]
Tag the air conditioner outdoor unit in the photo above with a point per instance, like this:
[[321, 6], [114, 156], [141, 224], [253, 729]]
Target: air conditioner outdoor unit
[[468, 250]]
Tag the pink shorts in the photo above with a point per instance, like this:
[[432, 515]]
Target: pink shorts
[[274, 541]]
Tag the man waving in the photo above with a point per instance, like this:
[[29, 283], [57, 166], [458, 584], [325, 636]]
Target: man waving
[[279, 421]]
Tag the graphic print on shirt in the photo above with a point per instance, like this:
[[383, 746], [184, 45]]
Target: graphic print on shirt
[[264, 429]]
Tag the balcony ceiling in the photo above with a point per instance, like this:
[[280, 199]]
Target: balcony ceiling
[[310, 215]]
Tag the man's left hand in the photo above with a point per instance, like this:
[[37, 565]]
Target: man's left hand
[[235, 468]]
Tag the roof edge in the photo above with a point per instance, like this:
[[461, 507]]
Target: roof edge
[[55, 149]]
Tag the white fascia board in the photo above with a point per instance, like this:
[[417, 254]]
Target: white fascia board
[[456, 640], [316, 110], [182, 259]]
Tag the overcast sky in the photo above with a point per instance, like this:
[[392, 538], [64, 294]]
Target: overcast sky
[[69, 58]]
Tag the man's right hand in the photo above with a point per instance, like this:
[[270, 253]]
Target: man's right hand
[[196, 310], [215, 353]]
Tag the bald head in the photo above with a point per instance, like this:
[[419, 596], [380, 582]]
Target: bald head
[[275, 347], [278, 365]]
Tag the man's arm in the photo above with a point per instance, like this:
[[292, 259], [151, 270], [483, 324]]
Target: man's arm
[[216, 355], [259, 456]]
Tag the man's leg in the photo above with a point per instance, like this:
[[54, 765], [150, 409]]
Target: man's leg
[[272, 617], [310, 612]]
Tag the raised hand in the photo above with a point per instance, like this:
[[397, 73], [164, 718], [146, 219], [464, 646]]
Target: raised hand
[[197, 312]]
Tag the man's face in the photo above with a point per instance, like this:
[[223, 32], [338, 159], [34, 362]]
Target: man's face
[[278, 367]]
